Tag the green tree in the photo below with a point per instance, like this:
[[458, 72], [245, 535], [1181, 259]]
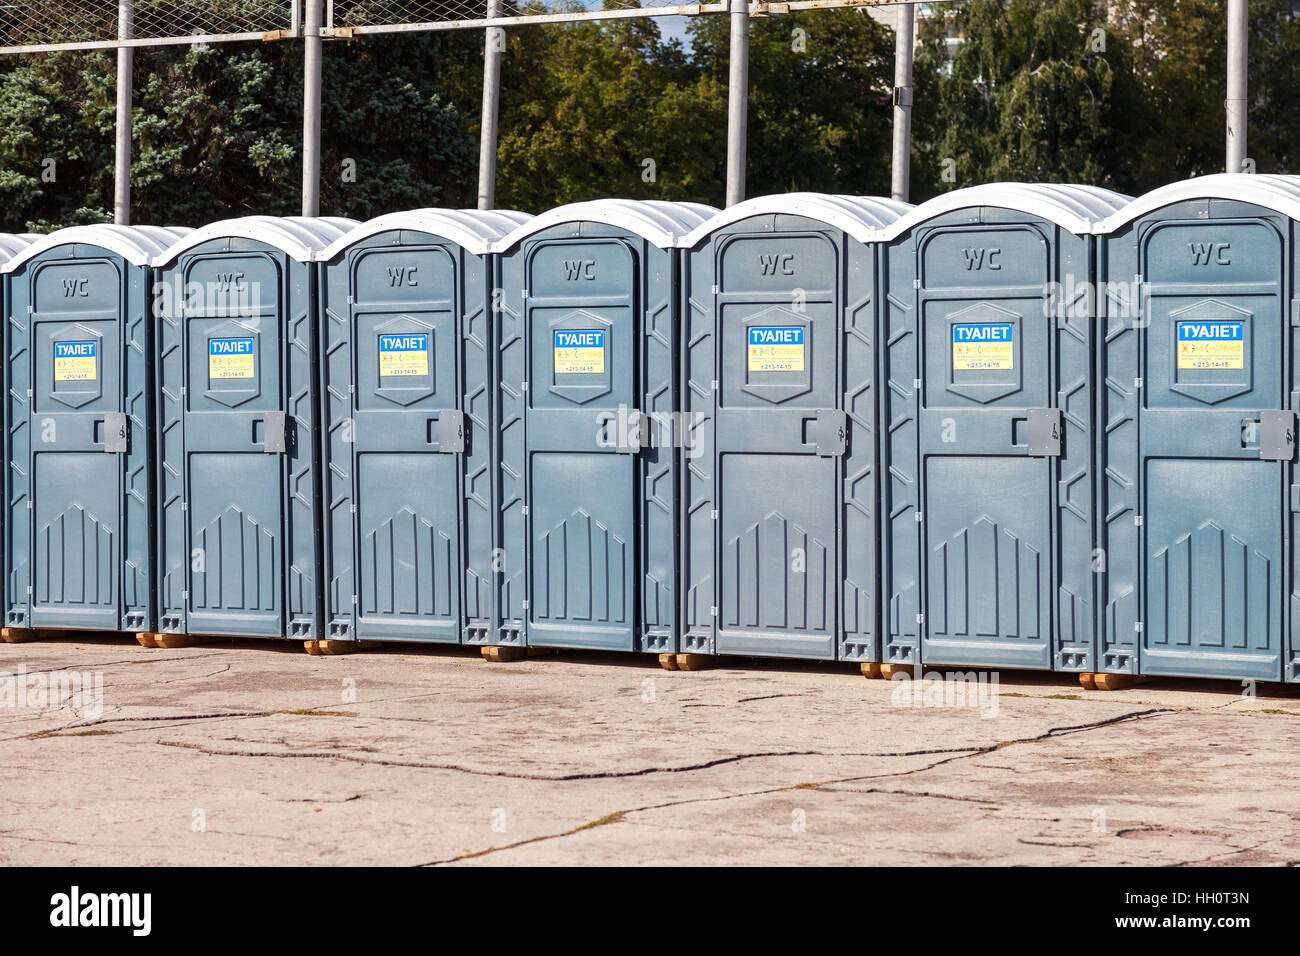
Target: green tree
[[217, 133], [820, 99], [1037, 91]]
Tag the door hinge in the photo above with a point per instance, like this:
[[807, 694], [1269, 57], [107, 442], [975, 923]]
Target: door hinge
[[832, 432], [451, 431], [1277, 435], [274, 439], [115, 433], [1044, 429]]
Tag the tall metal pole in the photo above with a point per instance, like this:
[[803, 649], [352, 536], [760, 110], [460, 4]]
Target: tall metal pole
[[904, 42], [493, 43], [737, 101], [1236, 102], [122, 147], [311, 108]]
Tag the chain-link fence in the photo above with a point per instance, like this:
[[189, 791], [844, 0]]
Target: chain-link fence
[[34, 26]]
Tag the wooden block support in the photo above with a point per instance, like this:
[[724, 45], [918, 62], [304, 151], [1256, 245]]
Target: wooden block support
[[501, 655], [171, 641], [330, 648], [887, 671], [147, 639], [1116, 681], [871, 670], [668, 662], [1088, 681], [694, 662], [18, 635]]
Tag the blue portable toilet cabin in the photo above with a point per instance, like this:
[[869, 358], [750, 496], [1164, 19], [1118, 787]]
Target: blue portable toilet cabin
[[587, 385], [779, 517], [10, 245], [407, 362], [238, 512], [986, 383], [79, 489], [1202, 331]]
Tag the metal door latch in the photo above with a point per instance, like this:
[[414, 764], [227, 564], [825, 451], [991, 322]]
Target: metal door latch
[[628, 431], [832, 432], [1044, 427], [451, 431], [115, 433], [275, 439], [1277, 435]]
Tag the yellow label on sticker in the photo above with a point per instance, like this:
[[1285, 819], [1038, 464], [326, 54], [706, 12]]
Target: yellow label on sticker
[[776, 349], [579, 351], [983, 347], [403, 355], [1211, 345], [231, 358], [76, 361]]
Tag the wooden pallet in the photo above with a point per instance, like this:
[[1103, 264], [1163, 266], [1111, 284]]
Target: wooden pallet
[[331, 648], [885, 671], [686, 662], [498, 654], [25, 635], [1113, 681]]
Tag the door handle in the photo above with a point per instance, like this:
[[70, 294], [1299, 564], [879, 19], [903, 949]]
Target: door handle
[[1277, 435], [451, 431], [115, 432], [831, 432], [274, 432], [627, 431], [1044, 432]]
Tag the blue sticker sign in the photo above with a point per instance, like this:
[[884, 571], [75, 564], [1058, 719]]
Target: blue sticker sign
[[403, 355], [776, 348], [981, 346], [76, 361], [231, 358], [579, 351], [1212, 345]]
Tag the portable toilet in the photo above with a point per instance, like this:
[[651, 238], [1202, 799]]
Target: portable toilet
[[78, 344], [1200, 500], [986, 385], [780, 534], [407, 360], [239, 482], [586, 468]]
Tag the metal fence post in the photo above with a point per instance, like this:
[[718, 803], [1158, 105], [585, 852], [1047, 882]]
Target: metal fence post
[[1236, 102], [904, 45], [122, 146], [494, 41], [311, 83], [737, 101]]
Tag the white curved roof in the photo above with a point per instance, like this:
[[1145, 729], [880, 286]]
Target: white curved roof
[[301, 237], [1077, 209], [13, 243], [862, 217], [136, 244], [662, 223], [473, 229], [1279, 193]]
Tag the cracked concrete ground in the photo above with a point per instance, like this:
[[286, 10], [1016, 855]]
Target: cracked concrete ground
[[254, 753]]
